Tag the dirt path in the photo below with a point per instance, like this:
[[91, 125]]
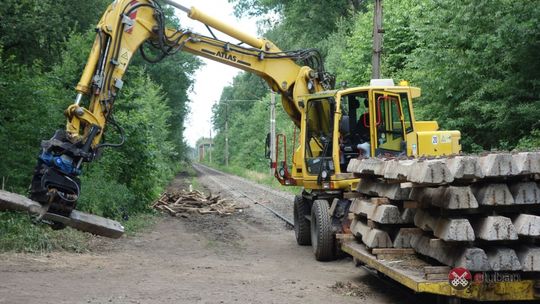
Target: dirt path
[[250, 257]]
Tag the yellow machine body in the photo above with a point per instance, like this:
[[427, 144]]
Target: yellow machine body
[[391, 130]]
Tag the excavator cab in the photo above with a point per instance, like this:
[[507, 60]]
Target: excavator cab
[[378, 124], [369, 121]]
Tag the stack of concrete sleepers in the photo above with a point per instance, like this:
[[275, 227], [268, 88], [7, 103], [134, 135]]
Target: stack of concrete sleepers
[[478, 212], [380, 219]]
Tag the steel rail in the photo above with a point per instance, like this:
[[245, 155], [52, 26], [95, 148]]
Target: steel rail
[[254, 201]]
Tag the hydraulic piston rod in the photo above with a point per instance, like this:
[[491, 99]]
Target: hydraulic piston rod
[[198, 15]]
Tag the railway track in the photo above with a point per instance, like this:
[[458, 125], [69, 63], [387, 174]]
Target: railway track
[[281, 208], [280, 204]]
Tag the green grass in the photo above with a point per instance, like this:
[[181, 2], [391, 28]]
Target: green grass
[[196, 184], [139, 222], [19, 234]]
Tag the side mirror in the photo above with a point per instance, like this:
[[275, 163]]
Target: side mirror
[[344, 125], [267, 147]]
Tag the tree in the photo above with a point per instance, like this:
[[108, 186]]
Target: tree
[[350, 46], [37, 29], [301, 23], [478, 64], [245, 86]]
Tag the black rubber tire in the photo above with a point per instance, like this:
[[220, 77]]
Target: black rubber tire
[[57, 226], [322, 234], [302, 229]]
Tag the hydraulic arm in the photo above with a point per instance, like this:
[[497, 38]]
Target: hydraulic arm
[[131, 25]]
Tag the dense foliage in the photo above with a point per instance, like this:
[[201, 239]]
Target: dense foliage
[[298, 23], [37, 29], [43, 48], [477, 63]]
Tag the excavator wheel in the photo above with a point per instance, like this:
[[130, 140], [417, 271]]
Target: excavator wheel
[[302, 229], [57, 226], [322, 234]]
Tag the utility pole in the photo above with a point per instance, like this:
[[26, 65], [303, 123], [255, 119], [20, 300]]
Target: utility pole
[[273, 160], [226, 133], [377, 40], [211, 144]]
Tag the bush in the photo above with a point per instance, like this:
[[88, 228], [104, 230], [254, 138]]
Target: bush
[[530, 142], [104, 196]]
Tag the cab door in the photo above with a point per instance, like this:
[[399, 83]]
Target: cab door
[[387, 123], [319, 138]]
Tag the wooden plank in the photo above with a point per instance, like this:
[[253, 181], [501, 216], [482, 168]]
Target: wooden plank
[[411, 204], [392, 251], [172, 212], [436, 269], [352, 195], [344, 236], [407, 185], [436, 276], [380, 200]]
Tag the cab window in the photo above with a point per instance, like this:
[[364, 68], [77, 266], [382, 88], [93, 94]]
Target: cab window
[[406, 113], [389, 124], [319, 122], [354, 127]]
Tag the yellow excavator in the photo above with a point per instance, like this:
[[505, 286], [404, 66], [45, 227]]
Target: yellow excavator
[[337, 127], [333, 123]]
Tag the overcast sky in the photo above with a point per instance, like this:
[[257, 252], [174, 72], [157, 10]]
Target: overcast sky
[[213, 76]]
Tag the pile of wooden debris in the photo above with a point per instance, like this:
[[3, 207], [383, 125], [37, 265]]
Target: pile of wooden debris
[[182, 203]]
